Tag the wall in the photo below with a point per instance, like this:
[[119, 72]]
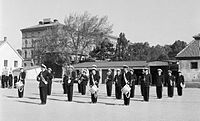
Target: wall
[[7, 53], [190, 75]]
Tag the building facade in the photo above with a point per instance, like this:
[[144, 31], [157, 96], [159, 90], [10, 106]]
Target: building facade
[[189, 60], [9, 59], [30, 35]]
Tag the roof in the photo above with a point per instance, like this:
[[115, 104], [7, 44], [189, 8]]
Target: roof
[[192, 50], [158, 63], [112, 64], [3, 42], [42, 26]]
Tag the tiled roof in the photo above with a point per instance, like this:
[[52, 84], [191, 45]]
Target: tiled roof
[[2, 42], [192, 50], [113, 64]]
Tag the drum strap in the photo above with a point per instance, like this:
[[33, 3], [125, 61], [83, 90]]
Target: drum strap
[[125, 78]]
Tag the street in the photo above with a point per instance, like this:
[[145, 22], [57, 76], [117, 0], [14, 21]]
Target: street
[[184, 108]]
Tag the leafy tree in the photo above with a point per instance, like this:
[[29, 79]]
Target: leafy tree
[[103, 51], [84, 31], [139, 51], [163, 57], [158, 53], [176, 47], [121, 47]]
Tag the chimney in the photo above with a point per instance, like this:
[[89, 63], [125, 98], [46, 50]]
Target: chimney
[[197, 37], [40, 22], [5, 39], [47, 20], [55, 20]]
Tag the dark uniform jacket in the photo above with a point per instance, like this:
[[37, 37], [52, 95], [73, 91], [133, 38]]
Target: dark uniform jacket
[[146, 80], [133, 79], [109, 79], [160, 80], [45, 75], [83, 79], [22, 76], [50, 78], [71, 76], [117, 80], [180, 79], [96, 78], [128, 78], [171, 80]]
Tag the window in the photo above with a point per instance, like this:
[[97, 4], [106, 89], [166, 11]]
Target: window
[[5, 63], [194, 65], [25, 54], [26, 42], [32, 54], [32, 42], [24, 64], [15, 63]]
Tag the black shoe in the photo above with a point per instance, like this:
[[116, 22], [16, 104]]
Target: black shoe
[[43, 103]]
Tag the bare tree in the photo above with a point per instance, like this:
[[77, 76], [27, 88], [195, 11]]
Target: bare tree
[[84, 31], [52, 45]]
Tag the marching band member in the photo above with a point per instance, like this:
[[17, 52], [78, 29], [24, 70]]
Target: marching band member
[[83, 81], [21, 78], [10, 78], [159, 84], [5, 77], [79, 82], [2, 79], [132, 84], [170, 84], [140, 82], [70, 78], [180, 83], [43, 81], [126, 79], [146, 80], [49, 85], [94, 81], [118, 86], [109, 82], [64, 84]]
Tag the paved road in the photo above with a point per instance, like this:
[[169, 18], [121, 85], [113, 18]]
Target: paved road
[[185, 108]]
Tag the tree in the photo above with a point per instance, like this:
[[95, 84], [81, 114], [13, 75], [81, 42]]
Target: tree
[[158, 53], [103, 51], [121, 47], [176, 47], [138, 51], [52, 46], [85, 31]]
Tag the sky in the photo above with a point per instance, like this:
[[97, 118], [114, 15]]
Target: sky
[[154, 21]]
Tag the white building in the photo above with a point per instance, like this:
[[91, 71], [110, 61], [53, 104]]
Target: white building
[[9, 57]]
